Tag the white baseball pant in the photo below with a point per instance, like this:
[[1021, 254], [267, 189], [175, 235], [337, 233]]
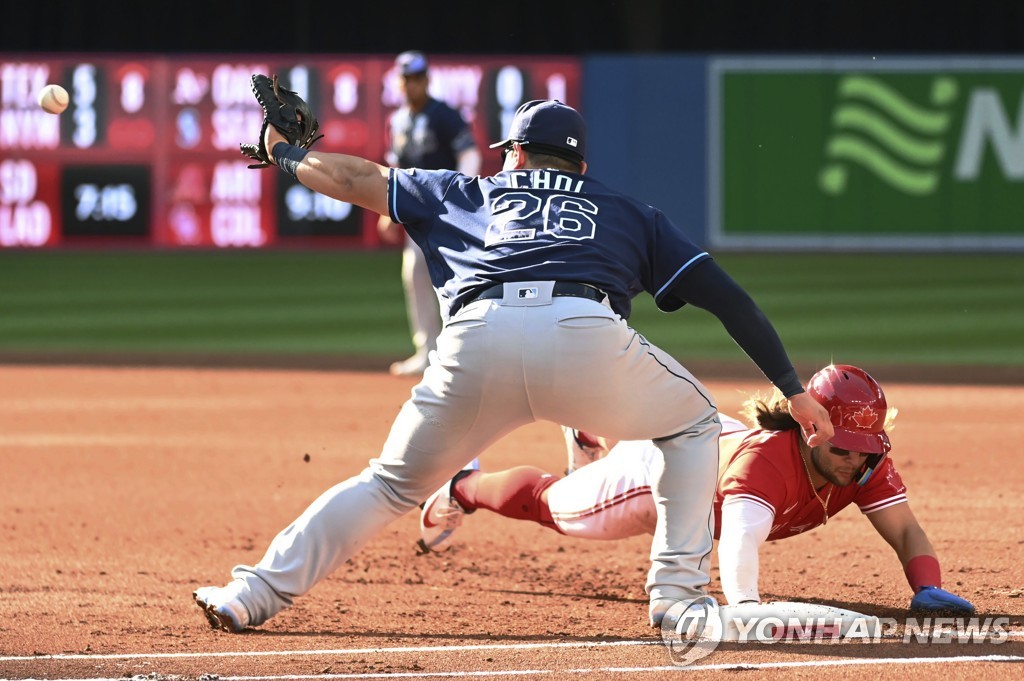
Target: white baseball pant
[[420, 299], [611, 497]]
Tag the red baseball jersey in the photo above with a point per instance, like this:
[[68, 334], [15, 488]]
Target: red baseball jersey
[[766, 469]]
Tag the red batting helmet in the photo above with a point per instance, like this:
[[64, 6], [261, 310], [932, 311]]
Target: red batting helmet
[[856, 404], [857, 408]]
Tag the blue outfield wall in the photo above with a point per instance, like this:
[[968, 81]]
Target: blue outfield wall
[[823, 153], [647, 132]]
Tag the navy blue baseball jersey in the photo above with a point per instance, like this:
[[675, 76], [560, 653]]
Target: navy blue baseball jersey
[[431, 138], [543, 225]]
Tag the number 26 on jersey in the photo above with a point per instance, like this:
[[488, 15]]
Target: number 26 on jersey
[[522, 216]]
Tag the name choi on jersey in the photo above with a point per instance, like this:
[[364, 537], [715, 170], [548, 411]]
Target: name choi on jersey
[[544, 179]]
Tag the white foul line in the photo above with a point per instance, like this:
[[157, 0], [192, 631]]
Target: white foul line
[[735, 666], [340, 651], [353, 651]]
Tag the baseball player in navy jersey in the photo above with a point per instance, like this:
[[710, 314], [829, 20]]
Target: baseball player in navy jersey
[[422, 133], [535, 268], [771, 485]]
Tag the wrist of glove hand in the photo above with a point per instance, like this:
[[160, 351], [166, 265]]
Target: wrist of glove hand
[[932, 598]]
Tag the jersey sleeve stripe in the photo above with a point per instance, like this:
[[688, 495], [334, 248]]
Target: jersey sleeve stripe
[[734, 498], [393, 191], [679, 272], [885, 503], [604, 505]]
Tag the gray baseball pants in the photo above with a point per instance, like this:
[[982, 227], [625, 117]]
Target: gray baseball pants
[[501, 364]]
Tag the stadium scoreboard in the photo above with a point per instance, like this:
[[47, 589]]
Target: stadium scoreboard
[[147, 151]]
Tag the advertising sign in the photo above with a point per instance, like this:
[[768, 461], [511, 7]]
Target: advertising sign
[[924, 154]]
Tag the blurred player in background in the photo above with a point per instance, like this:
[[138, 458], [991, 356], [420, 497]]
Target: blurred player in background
[[422, 133], [771, 485]]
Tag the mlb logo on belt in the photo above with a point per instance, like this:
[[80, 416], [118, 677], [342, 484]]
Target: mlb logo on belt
[[527, 293]]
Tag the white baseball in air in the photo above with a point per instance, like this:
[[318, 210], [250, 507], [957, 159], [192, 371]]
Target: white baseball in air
[[53, 99]]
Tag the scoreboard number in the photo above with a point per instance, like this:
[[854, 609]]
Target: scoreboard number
[[106, 200], [83, 99], [109, 202]]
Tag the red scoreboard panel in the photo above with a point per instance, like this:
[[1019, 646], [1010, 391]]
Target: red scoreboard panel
[[147, 151]]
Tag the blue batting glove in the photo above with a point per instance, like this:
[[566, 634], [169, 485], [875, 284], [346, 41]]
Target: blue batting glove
[[934, 598]]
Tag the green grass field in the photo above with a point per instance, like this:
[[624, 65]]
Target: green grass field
[[895, 309]]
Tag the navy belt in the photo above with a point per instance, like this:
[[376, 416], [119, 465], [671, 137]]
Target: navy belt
[[569, 289]]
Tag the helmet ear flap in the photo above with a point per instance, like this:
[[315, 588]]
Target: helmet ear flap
[[870, 464]]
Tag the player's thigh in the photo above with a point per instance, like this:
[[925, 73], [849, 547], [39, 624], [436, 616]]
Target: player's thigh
[[470, 397], [608, 499]]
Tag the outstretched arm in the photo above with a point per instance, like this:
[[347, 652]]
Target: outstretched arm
[[745, 526], [346, 178], [904, 534], [710, 288], [900, 529]]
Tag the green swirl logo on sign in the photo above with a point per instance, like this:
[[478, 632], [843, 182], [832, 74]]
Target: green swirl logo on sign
[[899, 141], [854, 153]]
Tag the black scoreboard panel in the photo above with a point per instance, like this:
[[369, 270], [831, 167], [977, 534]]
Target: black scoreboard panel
[[302, 212], [105, 200], [147, 151]]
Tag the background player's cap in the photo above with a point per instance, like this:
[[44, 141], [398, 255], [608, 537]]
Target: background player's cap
[[856, 406], [550, 126], [410, 63]]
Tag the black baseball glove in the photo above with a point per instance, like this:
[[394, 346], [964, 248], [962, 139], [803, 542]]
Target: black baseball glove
[[286, 111]]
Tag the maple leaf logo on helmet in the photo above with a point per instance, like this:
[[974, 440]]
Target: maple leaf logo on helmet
[[865, 418]]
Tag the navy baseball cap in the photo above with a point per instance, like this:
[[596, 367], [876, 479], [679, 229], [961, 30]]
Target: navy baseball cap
[[551, 126], [410, 63]]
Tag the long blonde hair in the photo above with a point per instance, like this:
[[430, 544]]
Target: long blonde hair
[[772, 413], [769, 412]]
